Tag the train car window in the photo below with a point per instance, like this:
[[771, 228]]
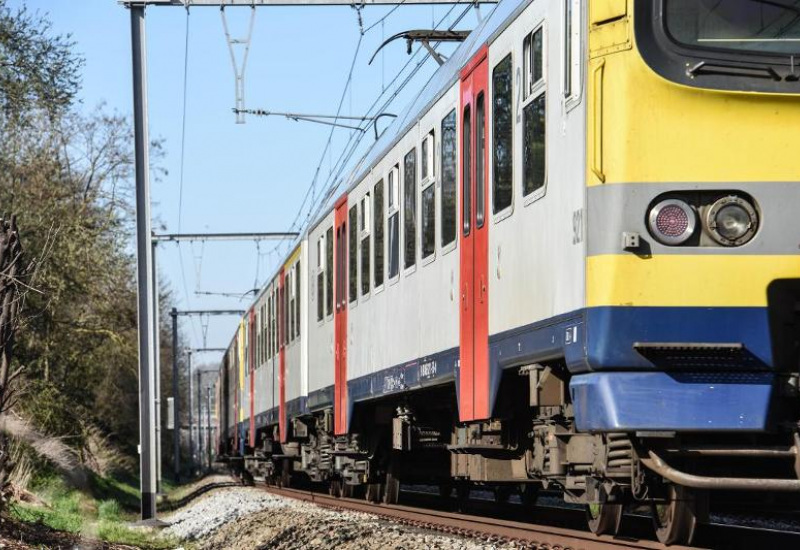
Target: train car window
[[365, 251], [428, 221], [448, 171], [502, 134], [292, 296], [480, 160], [427, 164], [329, 272], [286, 309], [410, 208], [533, 52], [269, 326], [533, 115], [393, 224], [466, 170], [297, 295], [378, 237], [353, 253], [320, 280], [275, 320]]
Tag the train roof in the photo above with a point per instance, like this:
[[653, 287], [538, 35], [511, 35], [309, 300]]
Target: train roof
[[502, 14]]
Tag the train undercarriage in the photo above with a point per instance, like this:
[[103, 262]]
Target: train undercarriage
[[531, 445]]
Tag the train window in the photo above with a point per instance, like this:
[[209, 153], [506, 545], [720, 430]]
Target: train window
[[533, 53], [502, 133], [448, 171], [365, 251], [480, 160], [428, 220], [329, 272], [286, 309], [291, 293], [427, 170], [534, 148], [275, 319], [297, 287], [410, 208], [572, 50], [320, 279], [269, 326], [378, 238], [533, 115], [353, 253], [466, 169], [393, 224]]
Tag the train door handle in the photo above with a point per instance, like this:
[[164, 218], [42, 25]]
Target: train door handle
[[597, 124], [483, 288], [464, 296]]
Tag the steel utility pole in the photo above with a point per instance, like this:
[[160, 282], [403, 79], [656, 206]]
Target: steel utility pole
[[176, 435], [208, 424], [199, 422], [191, 437], [147, 435], [157, 367]]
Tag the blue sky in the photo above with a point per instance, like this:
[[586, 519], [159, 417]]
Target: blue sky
[[249, 177]]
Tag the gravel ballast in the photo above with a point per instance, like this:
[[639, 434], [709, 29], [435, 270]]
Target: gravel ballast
[[250, 518]]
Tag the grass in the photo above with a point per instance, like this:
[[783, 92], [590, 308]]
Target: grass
[[82, 513]]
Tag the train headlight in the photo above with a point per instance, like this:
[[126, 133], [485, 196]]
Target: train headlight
[[672, 221], [732, 221]]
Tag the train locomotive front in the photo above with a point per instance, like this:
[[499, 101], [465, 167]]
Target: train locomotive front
[[692, 323]]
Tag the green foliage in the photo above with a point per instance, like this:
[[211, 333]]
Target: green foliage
[[37, 69], [63, 515], [113, 531], [68, 176]]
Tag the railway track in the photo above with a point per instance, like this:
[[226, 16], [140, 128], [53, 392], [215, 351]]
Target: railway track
[[529, 535], [491, 526]]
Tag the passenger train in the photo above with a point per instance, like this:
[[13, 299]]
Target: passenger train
[[572, 264]]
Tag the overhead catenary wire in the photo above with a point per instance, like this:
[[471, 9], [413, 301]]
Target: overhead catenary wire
[[332, 184], [183, 158]]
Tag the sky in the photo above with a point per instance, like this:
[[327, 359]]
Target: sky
[[248, 177]]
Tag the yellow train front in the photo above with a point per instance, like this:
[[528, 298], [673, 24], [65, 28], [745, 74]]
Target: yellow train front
[[693, 296]]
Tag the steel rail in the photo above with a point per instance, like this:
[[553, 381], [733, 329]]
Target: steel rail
[[538, 536]]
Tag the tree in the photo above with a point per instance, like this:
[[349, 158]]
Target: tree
[[38, 70]]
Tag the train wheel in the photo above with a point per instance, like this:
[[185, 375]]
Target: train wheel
[[604, 519], [462, 496], [347, 490], [502, 493], [373, 492], [445, 490], [286, 478], [676, 519], [529, 494], [391, 493]]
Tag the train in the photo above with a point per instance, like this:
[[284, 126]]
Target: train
[[571, 264]]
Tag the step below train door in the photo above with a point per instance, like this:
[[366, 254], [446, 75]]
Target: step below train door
[[474, 248], [340, 317]]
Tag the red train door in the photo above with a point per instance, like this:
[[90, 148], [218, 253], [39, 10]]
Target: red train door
[[474, 310], [340, 316], [282, 358]]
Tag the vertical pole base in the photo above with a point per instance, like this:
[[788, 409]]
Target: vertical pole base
[[148, 506]]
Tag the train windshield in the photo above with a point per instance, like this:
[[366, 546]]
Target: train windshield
[[770, 27]]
